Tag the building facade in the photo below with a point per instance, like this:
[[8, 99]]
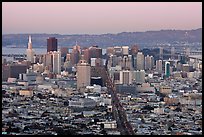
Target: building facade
[[83, 74], [51, 44]]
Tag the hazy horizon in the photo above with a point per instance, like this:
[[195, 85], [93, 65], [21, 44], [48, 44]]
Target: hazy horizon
[[99, 34], [95, 18]]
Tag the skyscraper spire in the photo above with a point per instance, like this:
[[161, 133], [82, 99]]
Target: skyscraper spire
[[30, 51], [30, 39], [29, 42]]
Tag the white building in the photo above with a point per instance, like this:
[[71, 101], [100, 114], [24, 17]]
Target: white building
[[56, 62], [125, 77], [30, 51], [159, 66], [125, 50], [83, 74]]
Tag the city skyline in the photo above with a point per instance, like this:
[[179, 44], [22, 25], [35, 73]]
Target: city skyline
[[99, 18]]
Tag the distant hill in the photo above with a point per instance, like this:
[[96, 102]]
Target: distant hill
[[104, 40]]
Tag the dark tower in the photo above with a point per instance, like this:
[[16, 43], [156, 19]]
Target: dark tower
[[51, 44]]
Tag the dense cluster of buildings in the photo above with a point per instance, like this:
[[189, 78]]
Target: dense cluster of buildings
[[62, 92]]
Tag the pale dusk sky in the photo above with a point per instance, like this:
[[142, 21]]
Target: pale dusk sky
[[98, 17]]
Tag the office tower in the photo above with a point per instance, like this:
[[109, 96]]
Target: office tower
[[167, 69], [126, 63], [13, 70], [125, 50], [56, 65], [51, 44], [64, 51], [172, 52], [113, 60], [95, 52], [140, 61], [77, 47], [47, 60], [140, 76], [74, 56], [110, 51], [125, 77], [149, 62], [134, 50], [96, 62], [159, 66], [85, 52], [118, 50], [161, 52], [30, 51], [83, 74]]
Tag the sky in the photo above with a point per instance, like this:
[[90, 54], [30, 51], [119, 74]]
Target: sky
[[98, 17]]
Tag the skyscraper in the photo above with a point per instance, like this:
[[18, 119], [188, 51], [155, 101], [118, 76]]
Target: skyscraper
[[47, 61], [172, 52], [74, 56], [149, 60], [125, 50], [51, 44], [30, 51], [95, 52], [56, 62], [134, 50], [85, 52], [140, 61], [167, 69], [83, 74], [161, 52], [140, 76], [126, 62], [159, 66], [125, 77]]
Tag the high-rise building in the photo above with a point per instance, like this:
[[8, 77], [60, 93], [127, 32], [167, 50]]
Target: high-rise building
[[161, 52], [140, 61], [140, 76], [77, 47], [159, 66], [172, 52], [47, 61], [134, 50], [125, 50], [30, 51], [83, 74], [126, 63], [85, 52], [64, 51], [51, 44], [56, 65], [74, 56], [13, 70], [118, 50], [149, 60], [95, 52], [125, 77], [110, 51], [167, 69]]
